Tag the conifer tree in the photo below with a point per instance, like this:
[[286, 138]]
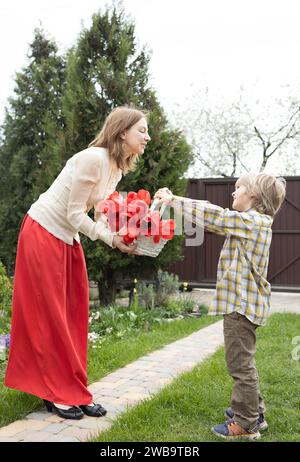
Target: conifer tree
[[104, 70], [29, 151]]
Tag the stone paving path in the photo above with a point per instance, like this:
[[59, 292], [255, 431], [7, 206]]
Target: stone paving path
[[281, 302], [137, 381]]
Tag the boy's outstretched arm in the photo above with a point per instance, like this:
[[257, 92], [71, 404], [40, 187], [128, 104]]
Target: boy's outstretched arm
[[214, 218]]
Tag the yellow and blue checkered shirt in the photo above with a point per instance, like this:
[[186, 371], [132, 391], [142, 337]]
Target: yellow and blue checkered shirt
[[243, 264]]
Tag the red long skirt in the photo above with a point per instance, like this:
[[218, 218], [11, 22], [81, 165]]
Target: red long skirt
[[49, 336]]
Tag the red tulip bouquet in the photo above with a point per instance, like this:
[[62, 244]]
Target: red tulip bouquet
[[136, 221]]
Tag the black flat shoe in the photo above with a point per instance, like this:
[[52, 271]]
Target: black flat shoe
[[93, 410], [73, 413]]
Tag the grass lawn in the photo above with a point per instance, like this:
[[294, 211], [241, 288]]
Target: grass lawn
[[187, 409], [110, 356]]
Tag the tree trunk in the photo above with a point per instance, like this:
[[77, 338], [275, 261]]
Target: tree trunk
[[107, 290]]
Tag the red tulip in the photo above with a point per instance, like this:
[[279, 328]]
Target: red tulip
[[167, 229], [133, 233], [144, 196], [137, 207], [127, 239], [131, 196], [131, 217], [168, 236], [116, 196], [154, 223], [156, 239], [104, 206]]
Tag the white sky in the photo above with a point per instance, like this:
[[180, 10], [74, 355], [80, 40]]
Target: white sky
[[195, 43]]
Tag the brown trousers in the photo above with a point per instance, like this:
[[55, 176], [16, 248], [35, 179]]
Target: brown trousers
[[240, 347]]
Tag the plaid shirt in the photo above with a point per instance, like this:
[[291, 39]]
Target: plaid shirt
[[242, 269]]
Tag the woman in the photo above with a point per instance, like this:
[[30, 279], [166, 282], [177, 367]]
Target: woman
[[48, 352]]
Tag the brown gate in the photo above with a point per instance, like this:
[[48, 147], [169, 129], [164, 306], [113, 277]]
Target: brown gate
[[199, 265]]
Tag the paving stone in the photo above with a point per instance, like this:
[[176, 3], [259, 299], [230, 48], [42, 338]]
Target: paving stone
[[37, 415], [81, 434], [22, 435], [130, 374], [123, 403], [7, 439], [136, 389], [134, 396], [55, 428], [151, 374], [162, 382], [54, 419], [111, 393], [89, 423], [118, 375], [34, 437], [62, 439], [93, 388], [152, 388], [130, 366], [113, 413], [119, 407], [103, 399], [22, 425], [95, 424], [105, 386], [136, 382], [111, 378]]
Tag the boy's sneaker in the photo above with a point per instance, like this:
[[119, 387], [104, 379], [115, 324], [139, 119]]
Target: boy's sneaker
[[232, 430], [262, 423]]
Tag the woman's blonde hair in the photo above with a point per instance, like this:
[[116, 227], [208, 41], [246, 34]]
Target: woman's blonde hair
[[117, 122], [268, 191]]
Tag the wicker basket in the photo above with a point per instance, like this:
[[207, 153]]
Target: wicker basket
[[145, 244]]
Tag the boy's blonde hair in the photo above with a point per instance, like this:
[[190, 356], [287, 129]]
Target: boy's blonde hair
[[268, 191]]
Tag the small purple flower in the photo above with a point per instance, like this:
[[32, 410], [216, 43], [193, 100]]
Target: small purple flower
[[7, 340]]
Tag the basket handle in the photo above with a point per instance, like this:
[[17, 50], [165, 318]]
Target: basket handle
[[162, 208]]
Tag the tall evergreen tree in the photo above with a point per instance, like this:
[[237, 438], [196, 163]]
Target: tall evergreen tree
[[106, 70], [29, 151]]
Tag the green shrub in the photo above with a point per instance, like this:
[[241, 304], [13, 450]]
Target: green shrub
[[203, 309], [172, 309], [185, 305], [167, 285], [118, 321], [145, 295], [188, 305]]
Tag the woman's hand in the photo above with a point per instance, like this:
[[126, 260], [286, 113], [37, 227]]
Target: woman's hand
[[119, 244], [164, 195]]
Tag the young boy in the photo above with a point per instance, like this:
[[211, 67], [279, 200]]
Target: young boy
[[242, 290]]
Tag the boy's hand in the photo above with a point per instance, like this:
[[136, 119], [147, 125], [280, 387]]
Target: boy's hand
[[164, 195]]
